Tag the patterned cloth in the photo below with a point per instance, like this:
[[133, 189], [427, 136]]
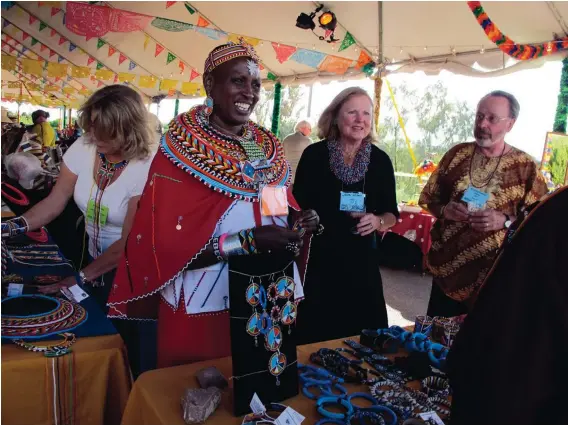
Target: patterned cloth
[[460, 257]]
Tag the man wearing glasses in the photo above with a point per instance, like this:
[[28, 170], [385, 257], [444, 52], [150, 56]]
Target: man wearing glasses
[[476, 193]]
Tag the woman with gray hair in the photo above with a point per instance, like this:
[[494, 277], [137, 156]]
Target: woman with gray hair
[[350, 182]]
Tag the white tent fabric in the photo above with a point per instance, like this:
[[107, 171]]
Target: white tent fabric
[[427, 36]]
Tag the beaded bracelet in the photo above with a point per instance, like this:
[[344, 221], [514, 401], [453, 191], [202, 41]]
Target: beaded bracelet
[[436, 385], [323, 401], [68, 340], [15, 226], [216, 251], [231, 246]]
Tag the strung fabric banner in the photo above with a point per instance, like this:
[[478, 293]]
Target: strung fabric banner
[[125, 77], [24, 49], [14, 84], [32, 67], [85, 91], [72, 47], [310, 58], [53, 32], [52, 53], [146, 40], [202, 22], [235, 38], [131, 66], [194, 74], [121, 58], [55, 11], [100, 83], [189, 88], [62, 40], [166, 85], [170, 58], [56, 70], [69, 90], [213, 34], [104, 74], [95, 21], [42, 47], [159, 49], [283, 52], [190, 9], [90, 60], [25, 35], [172, 26], [171, 93], [100, 43], [347, 41], [60, 59], [111, 51], [181, 67], [170, 3], [32, 19], [99, 65], [147, 81], [335, 64], [42, 26], [363, 60], [271, 76], [80, 71]]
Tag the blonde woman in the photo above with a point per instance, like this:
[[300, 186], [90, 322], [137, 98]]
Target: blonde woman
[[105, 172], [350, 183]]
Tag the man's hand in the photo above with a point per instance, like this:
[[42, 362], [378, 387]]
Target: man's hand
[[487, 220], [456, 211]]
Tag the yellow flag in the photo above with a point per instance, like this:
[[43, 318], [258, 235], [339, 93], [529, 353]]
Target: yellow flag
[[51, 87], [38, 100], [69, 90], [202, 92], [32, 86], [104, 74], [32, 67], [235, 38], [147, 81], [189, 88], [126, 77], [8, 62], [57, 70], [80, 71], [167, 85], [146, 41], [25, 98], [85, 92], [14, 84]]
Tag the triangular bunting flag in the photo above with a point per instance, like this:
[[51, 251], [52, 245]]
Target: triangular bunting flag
[[189, 8], [115, 78], [202, 22], [99, 65], [363, 60], [11, 49], [62, 40], [181, 67], [335, 64], [271, 76], [24, 49], [42, 25], [90, 60], [5, 23], [60, 59], [171, 57], [194, 74], [347, 41], [111, 51], [55, 11], [53, 32], [88, 37], [25, 35], [72, 47], [283, 52], [51, 53], [8, 38], [308, 57], [100, 84], [100, 43], [121, 59], [146, 41], [131, 66], [32, 19], [170, 3], [42, 47], [159, 49], [328, 33]]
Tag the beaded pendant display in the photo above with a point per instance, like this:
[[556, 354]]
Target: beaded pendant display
[[224, 162], [46, 316], [267, 320]]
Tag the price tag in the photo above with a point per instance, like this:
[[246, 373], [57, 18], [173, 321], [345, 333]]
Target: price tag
[[256, 405], [289, 417], [15, 289], [274, 201], [431, 418], [74, 293], [352, 202], [475, 198]]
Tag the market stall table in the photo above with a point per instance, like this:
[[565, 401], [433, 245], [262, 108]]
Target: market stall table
[[155, 396], [415, 226]]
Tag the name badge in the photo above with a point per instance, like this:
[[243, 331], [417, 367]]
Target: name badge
[[352, 202], [475, 198], [274, 201], [103, 213]]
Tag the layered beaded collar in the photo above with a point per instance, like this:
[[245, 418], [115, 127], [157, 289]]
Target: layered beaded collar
[[349, 174], [216, 158]]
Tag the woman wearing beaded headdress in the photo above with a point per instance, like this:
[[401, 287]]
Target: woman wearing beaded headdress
[[212, 200]]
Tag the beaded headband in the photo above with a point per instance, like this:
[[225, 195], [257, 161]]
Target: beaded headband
[[224, 53]]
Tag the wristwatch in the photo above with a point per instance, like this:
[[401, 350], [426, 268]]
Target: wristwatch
[[508, 221]]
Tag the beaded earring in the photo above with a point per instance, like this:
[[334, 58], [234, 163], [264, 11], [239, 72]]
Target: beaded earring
[[208, 110]]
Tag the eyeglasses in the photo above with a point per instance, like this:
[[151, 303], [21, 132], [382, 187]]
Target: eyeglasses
[[492, 119]]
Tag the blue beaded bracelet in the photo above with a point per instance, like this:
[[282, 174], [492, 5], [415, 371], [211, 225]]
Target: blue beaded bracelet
[[306, 390], [329, 390], [365, 396], [382, 410], [334, 400]]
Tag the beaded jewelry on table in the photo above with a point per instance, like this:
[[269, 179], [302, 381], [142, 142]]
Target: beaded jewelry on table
[[272, 309]]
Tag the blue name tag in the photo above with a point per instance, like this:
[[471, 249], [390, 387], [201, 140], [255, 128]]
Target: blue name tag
[[475, 197], [352, 202]]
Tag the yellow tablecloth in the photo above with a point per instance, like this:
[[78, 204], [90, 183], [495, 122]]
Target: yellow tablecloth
[[156, 395], [102, 383]]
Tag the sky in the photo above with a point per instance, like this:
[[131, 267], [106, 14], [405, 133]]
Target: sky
[[536, 89]]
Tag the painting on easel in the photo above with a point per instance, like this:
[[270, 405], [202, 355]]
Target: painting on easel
[[554, 164]]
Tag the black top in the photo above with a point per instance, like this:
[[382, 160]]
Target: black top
[[343, 286]]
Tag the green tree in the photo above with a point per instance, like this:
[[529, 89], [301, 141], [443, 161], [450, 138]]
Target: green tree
[[290, 109], [26, 118]]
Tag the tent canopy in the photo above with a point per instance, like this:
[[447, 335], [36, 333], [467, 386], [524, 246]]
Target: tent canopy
[[160, 47]]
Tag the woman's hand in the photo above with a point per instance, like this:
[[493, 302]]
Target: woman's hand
[[368, 223], [56, 287], [455, 211], [276, 238], [309, 221]]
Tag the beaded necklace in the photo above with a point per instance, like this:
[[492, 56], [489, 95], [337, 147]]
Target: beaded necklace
[[105, 175], [349, 174]]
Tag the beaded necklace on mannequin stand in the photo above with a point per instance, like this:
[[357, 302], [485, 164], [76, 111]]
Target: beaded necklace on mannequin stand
[[105, 175]]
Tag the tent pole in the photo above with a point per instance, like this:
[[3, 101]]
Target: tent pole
[[310, 100], [64, 116], [176, 107], [378, 77], [276, 109]]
